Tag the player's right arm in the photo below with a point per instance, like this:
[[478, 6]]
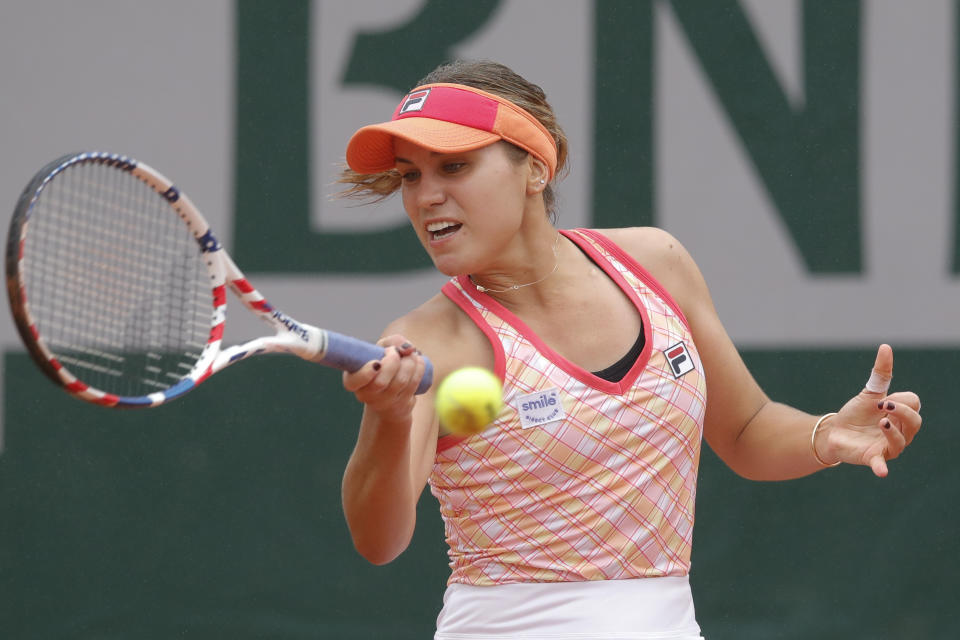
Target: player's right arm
[[397, 441]]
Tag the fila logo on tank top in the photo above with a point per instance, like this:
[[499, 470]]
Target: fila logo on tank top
[[578, 478]]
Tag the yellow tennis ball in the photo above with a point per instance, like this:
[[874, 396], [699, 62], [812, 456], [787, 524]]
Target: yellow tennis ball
[[468, 400]]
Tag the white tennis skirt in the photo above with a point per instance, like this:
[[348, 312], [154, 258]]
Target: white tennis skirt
[[637, 609]]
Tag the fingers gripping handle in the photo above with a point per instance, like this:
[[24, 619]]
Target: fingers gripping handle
[[349, 354]]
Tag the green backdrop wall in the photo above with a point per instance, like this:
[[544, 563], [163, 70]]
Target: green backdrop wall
[[219, 517]]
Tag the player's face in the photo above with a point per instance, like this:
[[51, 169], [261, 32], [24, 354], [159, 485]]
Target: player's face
[[464, 205]]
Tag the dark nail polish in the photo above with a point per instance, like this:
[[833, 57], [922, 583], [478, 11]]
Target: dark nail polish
[[886, 424], [891, 406], [880, 405], [376, 366], [406, 345]]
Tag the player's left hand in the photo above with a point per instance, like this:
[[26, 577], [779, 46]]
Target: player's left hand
[[873, 426]]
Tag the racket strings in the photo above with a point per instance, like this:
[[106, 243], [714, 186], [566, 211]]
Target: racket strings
[[115, 282]]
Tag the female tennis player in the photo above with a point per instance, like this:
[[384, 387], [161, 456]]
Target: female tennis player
[[571, 515]]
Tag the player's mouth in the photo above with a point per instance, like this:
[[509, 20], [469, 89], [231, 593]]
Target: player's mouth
[[442, 230]]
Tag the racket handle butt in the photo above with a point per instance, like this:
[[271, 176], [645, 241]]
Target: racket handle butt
[[349, 354], [427, 378]]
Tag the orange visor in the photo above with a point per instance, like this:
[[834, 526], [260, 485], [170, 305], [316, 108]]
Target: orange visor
[[450, 118]]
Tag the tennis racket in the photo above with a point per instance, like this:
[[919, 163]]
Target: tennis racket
[[118, 288]]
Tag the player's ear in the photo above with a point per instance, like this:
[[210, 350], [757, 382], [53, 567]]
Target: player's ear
[[537, 177]]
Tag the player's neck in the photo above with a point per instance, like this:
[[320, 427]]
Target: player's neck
[[508, 285]]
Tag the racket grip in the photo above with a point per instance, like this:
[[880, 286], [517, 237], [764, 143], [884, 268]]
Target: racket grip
[[349, 354]]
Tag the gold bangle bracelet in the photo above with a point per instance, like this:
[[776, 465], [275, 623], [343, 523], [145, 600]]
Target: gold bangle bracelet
[[813, 440]]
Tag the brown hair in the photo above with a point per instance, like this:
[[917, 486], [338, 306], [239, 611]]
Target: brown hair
[[488, 76]]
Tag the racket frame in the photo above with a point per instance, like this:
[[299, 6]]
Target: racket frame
[[290, 336]]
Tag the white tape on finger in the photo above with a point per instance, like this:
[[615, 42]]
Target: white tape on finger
[[877, 383]]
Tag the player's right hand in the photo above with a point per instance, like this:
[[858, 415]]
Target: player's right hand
[[388, 386]]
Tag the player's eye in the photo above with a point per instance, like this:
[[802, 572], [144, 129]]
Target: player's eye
[[453, 167], [409, 176]]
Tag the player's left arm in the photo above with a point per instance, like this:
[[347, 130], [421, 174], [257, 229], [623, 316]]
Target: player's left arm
[[757, 437]]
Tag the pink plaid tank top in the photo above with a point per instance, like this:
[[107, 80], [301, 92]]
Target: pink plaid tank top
[[578, 478]]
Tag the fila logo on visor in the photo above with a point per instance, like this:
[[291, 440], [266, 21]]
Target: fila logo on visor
[[415, 101], [679, 358]]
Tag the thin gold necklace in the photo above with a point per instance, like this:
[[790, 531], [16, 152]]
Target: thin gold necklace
[[556, 265]]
